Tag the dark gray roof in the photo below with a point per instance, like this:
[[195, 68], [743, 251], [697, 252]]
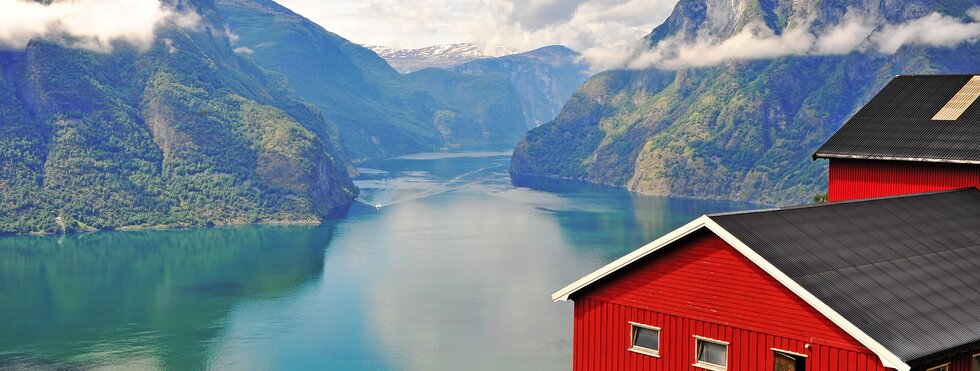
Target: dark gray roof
[[897, 124], [905, 270]]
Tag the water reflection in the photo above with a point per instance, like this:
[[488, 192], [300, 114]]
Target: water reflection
[[607, 223], [141, 300], [419, 176], [458, 279], [454, 272], [450, 282]]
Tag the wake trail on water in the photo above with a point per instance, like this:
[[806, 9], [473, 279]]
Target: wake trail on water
[[447, 186], [364, 202]]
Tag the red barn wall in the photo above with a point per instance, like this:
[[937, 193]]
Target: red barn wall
[[702, 286], [958, 361], [857, 179]]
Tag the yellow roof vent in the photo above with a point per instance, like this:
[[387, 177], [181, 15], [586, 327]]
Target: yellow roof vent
[[960, 102]]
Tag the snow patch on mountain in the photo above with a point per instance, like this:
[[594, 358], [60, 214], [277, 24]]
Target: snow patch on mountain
[[439, 56]]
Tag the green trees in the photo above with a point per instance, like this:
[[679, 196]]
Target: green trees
[[738, 131], [185, 134]]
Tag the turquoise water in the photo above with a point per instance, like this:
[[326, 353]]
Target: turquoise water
[[443, 264]]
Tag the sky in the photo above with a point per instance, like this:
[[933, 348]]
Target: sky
[[519, 24], [606, 32]]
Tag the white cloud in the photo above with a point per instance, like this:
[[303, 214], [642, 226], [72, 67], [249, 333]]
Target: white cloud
[[231, 36], [856, 32], [934, 30], [850, 35], [90, 24], [607, 31], [536, 14], [755, 41], [170, 45], [521, 24]]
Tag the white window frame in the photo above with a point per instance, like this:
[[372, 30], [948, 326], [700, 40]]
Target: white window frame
[[711, 366], [789, 353], [784, 351], [639, 349], [972, 359], [946, 365]]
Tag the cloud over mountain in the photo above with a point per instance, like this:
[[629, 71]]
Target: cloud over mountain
[[89, 24], [855, 32], [932, 30]]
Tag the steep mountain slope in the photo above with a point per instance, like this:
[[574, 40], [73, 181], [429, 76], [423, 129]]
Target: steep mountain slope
[[545, 78], [185, 133], [472, 111], [379, 112], [436, 56], [739, 130]]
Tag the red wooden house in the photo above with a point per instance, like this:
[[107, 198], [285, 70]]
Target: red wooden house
[[919, 134], [880, 284]]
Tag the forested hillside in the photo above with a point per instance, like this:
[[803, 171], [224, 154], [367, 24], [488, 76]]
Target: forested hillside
[[184, 133], [379, 112], [545, 78], [741, 129]]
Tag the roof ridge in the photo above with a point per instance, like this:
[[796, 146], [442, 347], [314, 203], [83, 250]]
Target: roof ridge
[[936, 74], [830, 204], [935, 160]]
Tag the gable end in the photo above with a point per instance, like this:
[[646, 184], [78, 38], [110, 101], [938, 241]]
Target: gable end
[[887, 358]]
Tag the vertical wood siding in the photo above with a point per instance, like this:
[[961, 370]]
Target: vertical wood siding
[[702, 286], [958, 361], [857, 179]]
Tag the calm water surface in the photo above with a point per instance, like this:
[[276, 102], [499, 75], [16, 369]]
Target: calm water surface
[[442, 265]]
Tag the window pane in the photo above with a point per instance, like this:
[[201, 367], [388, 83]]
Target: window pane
[[646, 338], [713, 353], [976, 362], [784, 362]]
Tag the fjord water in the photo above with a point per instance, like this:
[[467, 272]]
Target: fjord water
[[443, 264]]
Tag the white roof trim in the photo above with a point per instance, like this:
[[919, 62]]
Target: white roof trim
[[562, 295], [888, 359], [891, 158]]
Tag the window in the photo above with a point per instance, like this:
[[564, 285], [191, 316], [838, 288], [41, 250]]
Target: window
[[960, 102], [943, 367], [976, 362], [788, 361], [711, 354], [645, 339]]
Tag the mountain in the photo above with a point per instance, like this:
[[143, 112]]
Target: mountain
[[436, 56], [472, 111], [379, 112], [185, 133], [545, 78], [740, 129]]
